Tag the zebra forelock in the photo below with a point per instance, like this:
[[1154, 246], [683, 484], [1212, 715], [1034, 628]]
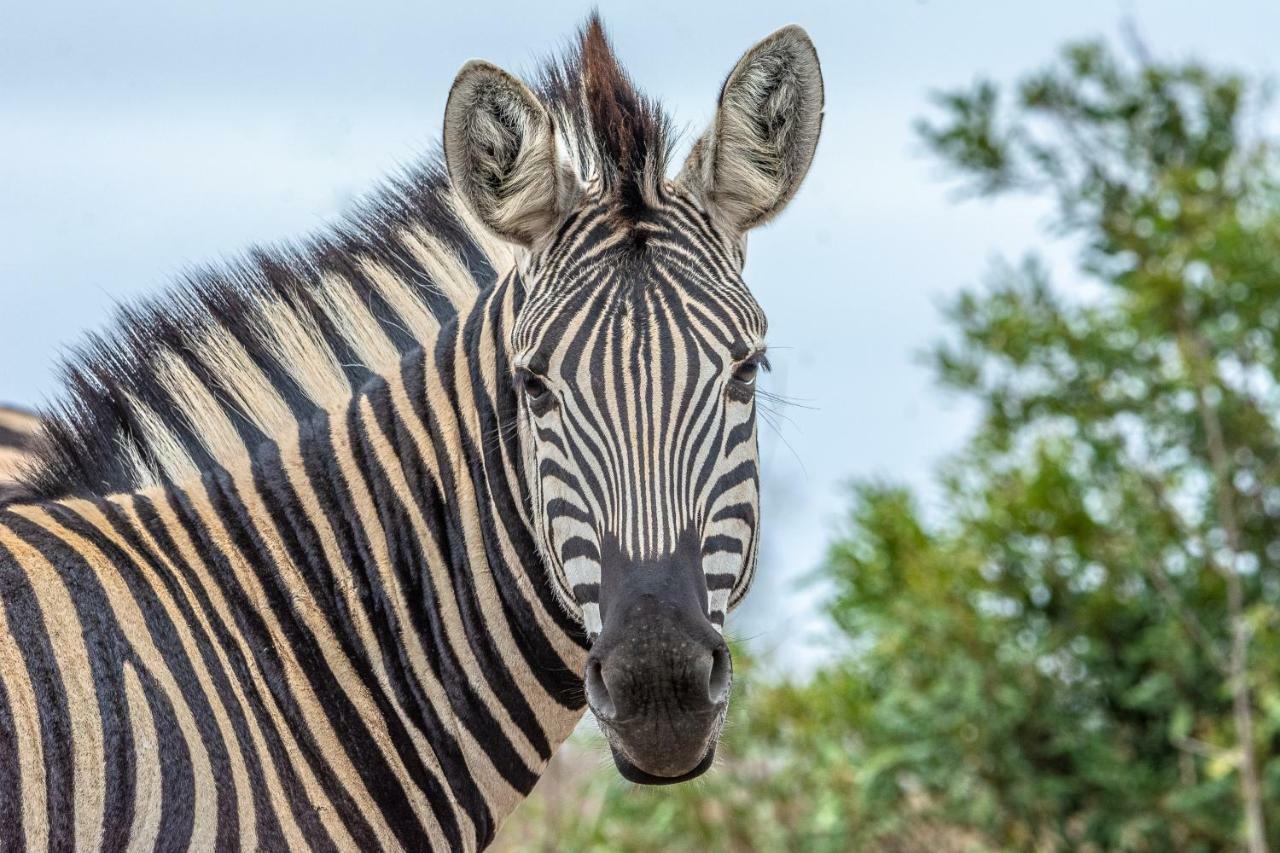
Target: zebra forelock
[[615, 137]]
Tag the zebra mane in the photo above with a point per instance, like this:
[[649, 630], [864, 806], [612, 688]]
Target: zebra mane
[[237, 354]]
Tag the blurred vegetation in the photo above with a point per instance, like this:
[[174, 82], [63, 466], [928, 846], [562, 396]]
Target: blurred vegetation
[[1080, 649]]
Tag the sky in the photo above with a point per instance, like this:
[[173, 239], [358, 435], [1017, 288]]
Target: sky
[[137, 139]]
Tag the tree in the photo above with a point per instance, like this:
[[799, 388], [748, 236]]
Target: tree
[[1122, 494]]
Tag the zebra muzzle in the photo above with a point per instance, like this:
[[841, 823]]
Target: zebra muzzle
[[659, 676]]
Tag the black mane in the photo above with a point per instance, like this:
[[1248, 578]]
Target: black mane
[[88, 432]]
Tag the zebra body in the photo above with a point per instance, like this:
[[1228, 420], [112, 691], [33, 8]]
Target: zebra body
[[256, 610]]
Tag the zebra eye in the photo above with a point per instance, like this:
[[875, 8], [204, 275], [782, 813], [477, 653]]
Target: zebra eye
[[533, 386], [746, 373]]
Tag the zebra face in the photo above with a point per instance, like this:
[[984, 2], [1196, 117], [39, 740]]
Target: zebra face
[[636, 358], [634, 355]]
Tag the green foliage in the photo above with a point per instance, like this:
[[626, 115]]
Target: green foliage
[[1080, 649], [788, 777], [1119, 506]]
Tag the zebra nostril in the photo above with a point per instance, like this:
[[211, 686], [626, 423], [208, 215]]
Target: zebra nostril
[[597, 694], [718, 679]]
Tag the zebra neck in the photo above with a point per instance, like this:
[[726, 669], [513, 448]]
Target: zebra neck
[[347, 642], [399, 533]]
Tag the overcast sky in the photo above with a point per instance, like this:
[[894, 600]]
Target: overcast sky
[[138, 138]]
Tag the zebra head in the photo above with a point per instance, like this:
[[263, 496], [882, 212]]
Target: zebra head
[[634, 352]]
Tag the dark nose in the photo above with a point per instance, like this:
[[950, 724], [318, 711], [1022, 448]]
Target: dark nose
[[659, 678], [658, 660]]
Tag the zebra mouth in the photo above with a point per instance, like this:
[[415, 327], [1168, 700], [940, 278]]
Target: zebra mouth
[[632, 773], [663, 748]]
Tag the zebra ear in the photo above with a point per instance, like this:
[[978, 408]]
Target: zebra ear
[[750, 162], [500, 148]]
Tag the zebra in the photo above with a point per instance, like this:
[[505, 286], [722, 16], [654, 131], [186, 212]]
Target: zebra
[[333, 547], [18, 432]]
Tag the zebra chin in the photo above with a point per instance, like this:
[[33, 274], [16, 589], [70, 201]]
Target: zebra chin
[[632, 773], [658, 677]]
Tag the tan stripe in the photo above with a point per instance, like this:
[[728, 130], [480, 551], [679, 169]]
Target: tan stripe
[[299, 346], [19, 421], [66, 636], [166, 448], [356, 323], [148, 793], [26, 723], [422, 324], [448, 274], [11, 457], [128, 615], [240, 378], [13, 462], [203, 413]]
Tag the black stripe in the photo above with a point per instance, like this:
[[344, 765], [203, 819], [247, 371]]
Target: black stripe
[[587, 593], [744, 512], [741, 473], [561, 508], [14, 836], [721, 545], [576, 546], [13, 438], [719, 581]]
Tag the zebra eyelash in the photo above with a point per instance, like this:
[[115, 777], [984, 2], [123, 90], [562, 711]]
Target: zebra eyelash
[[746, 372], [535, 390]]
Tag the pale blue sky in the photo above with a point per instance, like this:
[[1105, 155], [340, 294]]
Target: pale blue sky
[[137, 138]]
